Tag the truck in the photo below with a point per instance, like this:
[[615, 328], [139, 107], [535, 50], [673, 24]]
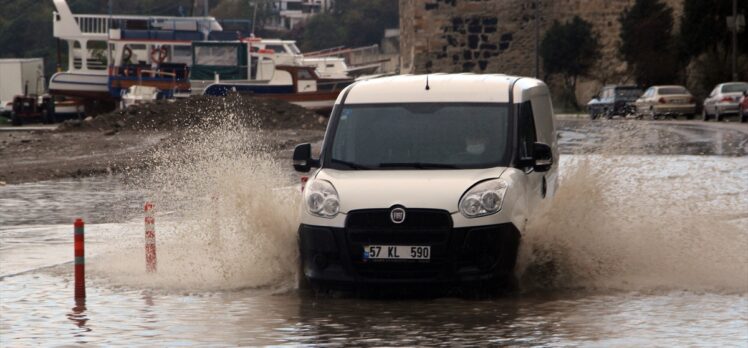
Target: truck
[[20, 76]]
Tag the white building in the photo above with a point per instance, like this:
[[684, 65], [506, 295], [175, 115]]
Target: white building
[[288, 14]]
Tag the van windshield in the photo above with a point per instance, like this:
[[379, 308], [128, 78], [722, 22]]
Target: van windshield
[[420, 136]]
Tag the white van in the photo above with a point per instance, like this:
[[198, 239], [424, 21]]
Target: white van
[[427, 179]]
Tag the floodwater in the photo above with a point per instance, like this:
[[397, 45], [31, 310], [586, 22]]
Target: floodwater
[[645, 246]]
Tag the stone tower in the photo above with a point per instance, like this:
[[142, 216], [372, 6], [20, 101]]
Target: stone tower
[[498, 36]]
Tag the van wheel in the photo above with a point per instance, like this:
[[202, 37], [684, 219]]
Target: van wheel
[[302, 284]]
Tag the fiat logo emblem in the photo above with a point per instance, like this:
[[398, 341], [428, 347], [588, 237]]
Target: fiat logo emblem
[[397, 215]]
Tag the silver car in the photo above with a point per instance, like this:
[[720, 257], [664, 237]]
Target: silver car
[[723, 100]]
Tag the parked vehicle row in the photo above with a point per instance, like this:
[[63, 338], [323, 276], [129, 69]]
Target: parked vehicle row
[[657, 102]]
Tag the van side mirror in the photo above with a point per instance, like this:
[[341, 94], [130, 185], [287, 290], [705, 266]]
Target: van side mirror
[[302, 158], [543, 157]]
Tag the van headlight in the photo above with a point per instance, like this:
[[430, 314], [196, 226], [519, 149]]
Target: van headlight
[[321, 199], [483, 199]]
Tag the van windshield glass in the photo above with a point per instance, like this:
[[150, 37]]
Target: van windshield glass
[[421, 136]]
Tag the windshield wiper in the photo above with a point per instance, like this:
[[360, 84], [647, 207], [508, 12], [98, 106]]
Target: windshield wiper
[[418, 165], [349, 164]]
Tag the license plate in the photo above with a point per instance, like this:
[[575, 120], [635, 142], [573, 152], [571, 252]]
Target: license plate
[[677, 101], [397, 252]]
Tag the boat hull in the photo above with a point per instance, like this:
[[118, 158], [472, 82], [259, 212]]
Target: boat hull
[[93, 86]]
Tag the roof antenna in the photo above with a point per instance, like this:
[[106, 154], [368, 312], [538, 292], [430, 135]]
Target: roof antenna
[[427, 82]]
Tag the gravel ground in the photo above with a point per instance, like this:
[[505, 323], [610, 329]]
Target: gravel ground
[[121, 140]]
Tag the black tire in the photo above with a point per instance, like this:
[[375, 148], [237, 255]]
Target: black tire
[[15, 119], [593, 113], [49, 116], [704, 115], [689, 117], [302, 284]]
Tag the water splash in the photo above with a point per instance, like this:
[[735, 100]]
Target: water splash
[[226, 214], [628, 222], [622, 219]]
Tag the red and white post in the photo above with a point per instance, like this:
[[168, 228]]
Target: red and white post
[[80, 261], [150, 238]]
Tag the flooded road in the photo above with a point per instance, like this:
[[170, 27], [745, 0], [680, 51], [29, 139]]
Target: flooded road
[[646, 246]]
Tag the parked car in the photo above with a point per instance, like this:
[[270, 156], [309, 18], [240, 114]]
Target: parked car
[[613, 100], [664, 101], [427, 180], [723, 100], [743, 108]]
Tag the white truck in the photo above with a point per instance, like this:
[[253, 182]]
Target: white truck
[[427, 179], [20, 77]]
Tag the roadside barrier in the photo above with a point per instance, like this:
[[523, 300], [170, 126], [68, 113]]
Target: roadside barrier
[[150, 238], [80, 261]]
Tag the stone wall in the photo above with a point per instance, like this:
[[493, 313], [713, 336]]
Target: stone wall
[[498, 36]]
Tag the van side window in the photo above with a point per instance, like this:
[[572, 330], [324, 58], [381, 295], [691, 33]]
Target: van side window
[[526, 129]]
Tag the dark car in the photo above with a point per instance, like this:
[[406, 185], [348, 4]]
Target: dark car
[[613, 100]]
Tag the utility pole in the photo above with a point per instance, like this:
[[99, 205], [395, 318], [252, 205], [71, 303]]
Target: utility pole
[[205, 8], [734, 40], [537, 39]]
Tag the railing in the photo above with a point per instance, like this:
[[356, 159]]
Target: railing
[[92, 24], [100, 24]]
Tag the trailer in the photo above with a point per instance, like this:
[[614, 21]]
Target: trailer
[[21, 76]]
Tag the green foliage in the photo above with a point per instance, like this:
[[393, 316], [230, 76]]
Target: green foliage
[[569, 50], [647, 43], [705, 41], [352, 23], [322, 31], [704, 27]]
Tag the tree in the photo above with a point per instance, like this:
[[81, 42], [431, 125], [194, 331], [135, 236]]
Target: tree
[[647, 43], [704, 27], [352, 23], [322, 31], [569, 50], [705, 43]]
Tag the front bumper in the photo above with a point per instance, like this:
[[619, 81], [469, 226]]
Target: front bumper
[[334, 256]]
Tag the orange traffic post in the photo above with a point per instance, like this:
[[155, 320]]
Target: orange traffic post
[[80, 261], [150, 238]]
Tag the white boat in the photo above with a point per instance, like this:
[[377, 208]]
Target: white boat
[[110, 54], [99, 46]]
